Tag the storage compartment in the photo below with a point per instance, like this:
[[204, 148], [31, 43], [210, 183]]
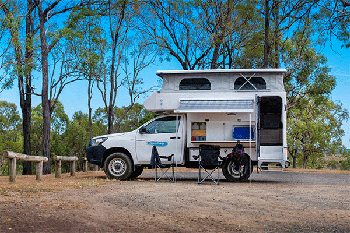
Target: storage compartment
[[198, 131], [242, 132]]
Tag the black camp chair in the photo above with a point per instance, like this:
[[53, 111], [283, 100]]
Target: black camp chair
[[208, 159], [156, 163]]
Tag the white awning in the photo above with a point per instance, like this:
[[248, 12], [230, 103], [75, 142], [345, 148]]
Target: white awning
[[215, 106]]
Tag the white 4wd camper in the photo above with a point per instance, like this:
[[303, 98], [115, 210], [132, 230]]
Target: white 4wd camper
[[215, 107]]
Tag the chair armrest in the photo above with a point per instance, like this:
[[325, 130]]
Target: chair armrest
[[167, 157]]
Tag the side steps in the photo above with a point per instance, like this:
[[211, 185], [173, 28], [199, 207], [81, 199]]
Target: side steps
[[270, 166]]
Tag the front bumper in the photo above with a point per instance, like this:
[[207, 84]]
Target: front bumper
[[94, 154]]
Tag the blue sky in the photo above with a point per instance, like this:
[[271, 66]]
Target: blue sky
[[339, 62], [74, 96]]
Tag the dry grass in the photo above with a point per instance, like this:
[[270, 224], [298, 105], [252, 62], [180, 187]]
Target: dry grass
[[28, 185]]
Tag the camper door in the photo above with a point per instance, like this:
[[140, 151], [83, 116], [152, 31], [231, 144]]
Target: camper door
[[270, 128]]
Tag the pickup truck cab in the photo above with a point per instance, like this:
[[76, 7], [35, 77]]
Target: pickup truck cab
[[226, 108]]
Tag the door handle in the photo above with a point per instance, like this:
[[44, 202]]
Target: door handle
[[175, 138]]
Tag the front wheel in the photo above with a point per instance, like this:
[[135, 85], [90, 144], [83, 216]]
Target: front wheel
[[138, 171], [237, 172], [118, 166]]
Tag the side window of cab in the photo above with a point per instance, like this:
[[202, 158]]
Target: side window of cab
[[167, 124]]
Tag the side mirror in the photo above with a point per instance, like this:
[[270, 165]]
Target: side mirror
[[142, 130]]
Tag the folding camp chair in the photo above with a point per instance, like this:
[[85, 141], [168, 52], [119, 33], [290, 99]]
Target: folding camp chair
[[208, 159], [157, 164]]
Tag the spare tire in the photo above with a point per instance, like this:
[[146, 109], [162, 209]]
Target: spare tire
[[237, 172]]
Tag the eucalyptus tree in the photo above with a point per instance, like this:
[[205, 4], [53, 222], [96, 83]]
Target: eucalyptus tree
[[281, 18], [314, 127], [116, 14], [205, 34], [333, 20], [50, 35], [314, 120], [20, 21], [126, 55], [138, 57], [86, 34], [234, 31], [171, 25]]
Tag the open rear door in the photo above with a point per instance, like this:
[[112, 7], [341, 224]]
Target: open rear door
[[270, 130]]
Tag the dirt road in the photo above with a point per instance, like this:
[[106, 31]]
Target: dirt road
[[270, 202]]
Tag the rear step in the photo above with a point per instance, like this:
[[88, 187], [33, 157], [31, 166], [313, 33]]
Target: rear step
[[270, 167]]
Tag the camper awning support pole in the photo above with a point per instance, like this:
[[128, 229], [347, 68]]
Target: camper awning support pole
[[250, 134], [250, 143], [176, 144]]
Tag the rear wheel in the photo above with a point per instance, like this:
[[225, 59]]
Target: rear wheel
[[118, 166], [237, 172]]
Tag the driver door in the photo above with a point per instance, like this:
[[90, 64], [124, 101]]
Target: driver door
[[166, 134]]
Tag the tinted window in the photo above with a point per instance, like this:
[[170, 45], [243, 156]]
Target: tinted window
[[163, 125], [195, 84], [252, 84]]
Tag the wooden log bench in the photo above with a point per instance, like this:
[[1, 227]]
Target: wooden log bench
[[58, 164], [86, 167], [13, 157]]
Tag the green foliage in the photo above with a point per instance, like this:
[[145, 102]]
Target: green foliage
[[314, 120], [135, 117], [333, 164], [10, 131], [84, 37], [345, 164], [315, 128]]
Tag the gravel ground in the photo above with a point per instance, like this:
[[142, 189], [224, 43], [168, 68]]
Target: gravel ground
[[269, 202]]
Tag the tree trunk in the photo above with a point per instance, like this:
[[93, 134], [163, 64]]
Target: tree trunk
[[294, 155], [267, 35], [26, 105], [26, 113], [24, 70], [304, 160], [45, 91], [276, 63], [110, 118], [89, 105]]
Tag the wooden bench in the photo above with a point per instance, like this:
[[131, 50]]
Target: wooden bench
[[86, 167], [58, 163], [13, 156]]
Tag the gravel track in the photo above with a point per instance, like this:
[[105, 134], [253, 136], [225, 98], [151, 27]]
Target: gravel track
[[269, 202]]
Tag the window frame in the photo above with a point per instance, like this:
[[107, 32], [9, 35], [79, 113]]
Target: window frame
[[248, 84], [196, 84]]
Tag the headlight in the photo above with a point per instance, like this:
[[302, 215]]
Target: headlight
[[97, 141]]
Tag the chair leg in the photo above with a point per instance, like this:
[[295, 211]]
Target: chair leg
[[209, 175], [156, 179], [218, 176], [165, 173], [199, 175]]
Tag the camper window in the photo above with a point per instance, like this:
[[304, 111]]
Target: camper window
[[195, 84], [253, 83]]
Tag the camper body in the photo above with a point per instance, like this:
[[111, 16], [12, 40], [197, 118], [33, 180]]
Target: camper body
[[214, 107]]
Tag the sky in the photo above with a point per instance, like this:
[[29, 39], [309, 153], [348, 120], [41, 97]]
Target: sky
[[339, 62], [74, 96]]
